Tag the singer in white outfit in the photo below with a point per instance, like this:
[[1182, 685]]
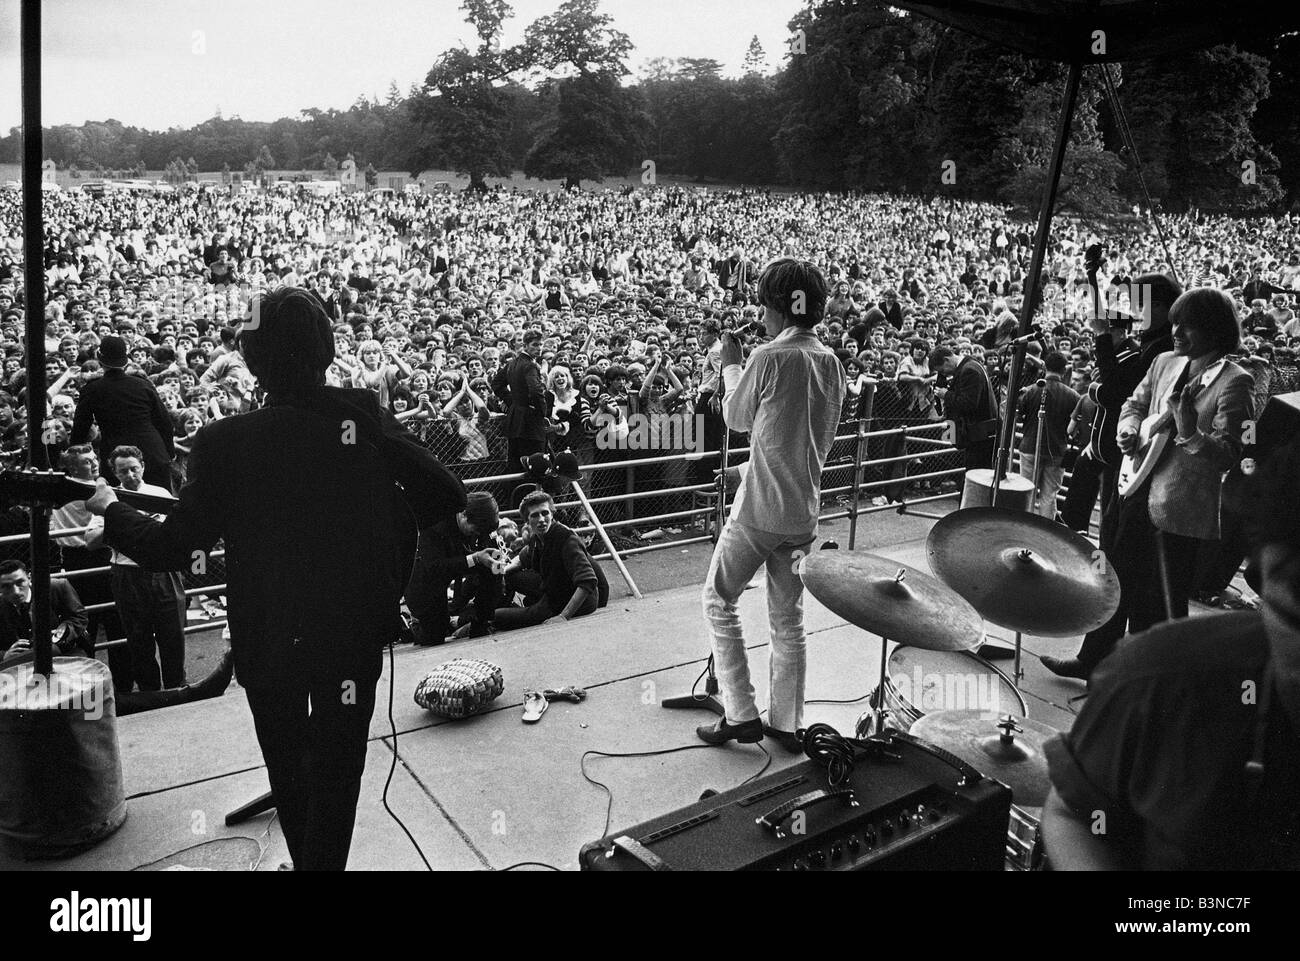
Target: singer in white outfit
[[788, 397]]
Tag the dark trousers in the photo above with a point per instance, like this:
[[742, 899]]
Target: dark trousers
[[152, 608], [702, 469], [1220, 560], [980, 456], [1089, 478], [510, 618], [519, 447], [98, 589], [1133, 552], [426, 597], [312, 724]]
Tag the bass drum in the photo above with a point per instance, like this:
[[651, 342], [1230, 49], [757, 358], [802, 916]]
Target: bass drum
[[920, 681]]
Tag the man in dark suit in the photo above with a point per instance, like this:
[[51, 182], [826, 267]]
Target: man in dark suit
[[129, 413], [67, 616], [313, 496], [519, 385], [969, 403], [457, 551], [1048, 473]]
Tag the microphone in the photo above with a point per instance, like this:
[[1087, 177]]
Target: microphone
[[1035, 331], [753, 326]]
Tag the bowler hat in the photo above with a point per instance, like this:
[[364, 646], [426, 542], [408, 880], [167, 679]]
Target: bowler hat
[[112, 352]]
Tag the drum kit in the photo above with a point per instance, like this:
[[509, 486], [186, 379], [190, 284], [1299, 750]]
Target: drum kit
[[1013, 569]]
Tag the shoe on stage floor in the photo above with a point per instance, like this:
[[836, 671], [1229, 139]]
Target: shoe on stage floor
[[787, 739], [1066, 667], [746, 732]]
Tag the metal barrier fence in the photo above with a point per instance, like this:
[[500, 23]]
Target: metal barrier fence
[[885, 447]]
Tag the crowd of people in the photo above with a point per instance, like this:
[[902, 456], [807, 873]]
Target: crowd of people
[[618, 295]]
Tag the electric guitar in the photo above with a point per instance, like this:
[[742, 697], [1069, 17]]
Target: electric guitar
[[1153, 437]]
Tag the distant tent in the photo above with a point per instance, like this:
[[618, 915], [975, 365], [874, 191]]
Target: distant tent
[[1065, 30]]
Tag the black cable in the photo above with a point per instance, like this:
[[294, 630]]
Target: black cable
[[827, 747], [828, 701], [526, 864], [393, 765]]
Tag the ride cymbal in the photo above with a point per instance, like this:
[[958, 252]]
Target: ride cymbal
[[1023, 572], [892, 600]]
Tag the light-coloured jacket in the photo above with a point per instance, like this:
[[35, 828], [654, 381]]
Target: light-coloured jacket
[[1187, 483], [789, 398]]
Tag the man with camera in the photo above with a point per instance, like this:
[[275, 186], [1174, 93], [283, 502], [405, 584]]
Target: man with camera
[[793, 380], [457, 552]]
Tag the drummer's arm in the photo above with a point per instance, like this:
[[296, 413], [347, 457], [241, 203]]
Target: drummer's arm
[[1071, 843]]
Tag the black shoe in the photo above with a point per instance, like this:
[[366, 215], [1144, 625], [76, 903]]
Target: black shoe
[[747, 732], [421, 637], [1066, 667], [787, 740], [215, 684]]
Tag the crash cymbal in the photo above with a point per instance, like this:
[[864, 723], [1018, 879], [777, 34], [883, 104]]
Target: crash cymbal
[[1024, 572], [892, 600], [1008, 752]]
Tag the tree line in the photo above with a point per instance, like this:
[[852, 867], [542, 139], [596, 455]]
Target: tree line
[[865, 98]]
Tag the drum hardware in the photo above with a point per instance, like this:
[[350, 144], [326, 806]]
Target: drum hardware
[[908, 693], [1024, 839]]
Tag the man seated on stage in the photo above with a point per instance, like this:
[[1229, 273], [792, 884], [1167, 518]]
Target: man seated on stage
[[1185, 754], [67, 616], [554, 572], [459, 553]]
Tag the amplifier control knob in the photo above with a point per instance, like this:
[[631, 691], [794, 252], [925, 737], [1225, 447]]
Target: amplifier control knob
[[854, 844], [886, 829], [818, 859], [800, 865], [837, 852]]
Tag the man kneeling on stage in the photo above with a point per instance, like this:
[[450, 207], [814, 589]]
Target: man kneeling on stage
[[554, 572], [789, 399], [458, 553]]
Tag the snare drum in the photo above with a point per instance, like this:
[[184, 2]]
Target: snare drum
[[1025, 840], [919, 682]]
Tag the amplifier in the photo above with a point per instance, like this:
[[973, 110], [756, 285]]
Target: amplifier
[[906, 805]]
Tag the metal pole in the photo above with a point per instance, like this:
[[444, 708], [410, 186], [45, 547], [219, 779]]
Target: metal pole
[[604, 537], [1032, 291], [865, 410], [34, 322]]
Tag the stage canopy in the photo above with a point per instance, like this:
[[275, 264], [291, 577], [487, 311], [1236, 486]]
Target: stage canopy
[[1065, 30]]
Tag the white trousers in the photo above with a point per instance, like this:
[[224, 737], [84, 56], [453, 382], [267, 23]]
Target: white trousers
[[740, 552]]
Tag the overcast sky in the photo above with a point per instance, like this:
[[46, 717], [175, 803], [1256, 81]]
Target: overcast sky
[[164, 63]]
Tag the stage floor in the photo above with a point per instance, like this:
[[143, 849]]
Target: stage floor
[[490, 791]]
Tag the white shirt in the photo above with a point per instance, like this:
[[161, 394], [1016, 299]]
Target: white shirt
[[788, 398], [96, 525]]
